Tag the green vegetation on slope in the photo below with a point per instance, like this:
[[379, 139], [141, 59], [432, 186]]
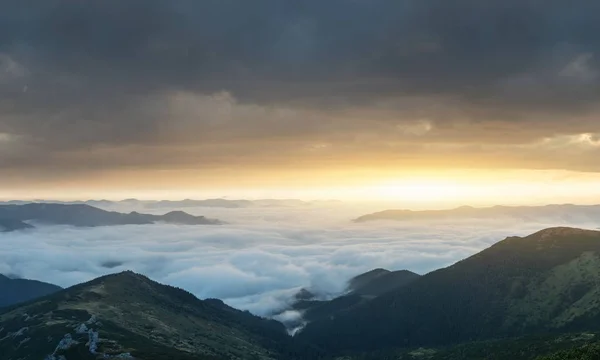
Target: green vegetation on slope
[[509, 290], [547, 347], [133, 314]]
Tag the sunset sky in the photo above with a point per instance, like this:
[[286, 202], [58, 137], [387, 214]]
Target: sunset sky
[[481, 102]]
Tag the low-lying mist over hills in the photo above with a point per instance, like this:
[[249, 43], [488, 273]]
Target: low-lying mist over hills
[[521, 298], [257, 260]]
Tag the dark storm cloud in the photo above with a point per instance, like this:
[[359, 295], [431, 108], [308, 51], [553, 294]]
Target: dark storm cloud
[[77, 75]]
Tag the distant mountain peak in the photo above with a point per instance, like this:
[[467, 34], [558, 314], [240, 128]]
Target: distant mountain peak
[[379, 281], [362, 279], [176, 212], [304, 294]]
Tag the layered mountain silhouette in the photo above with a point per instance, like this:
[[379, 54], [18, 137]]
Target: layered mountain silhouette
[[14, 291], [360, 289], [87, 216], [380, 281], [545, 282], [7, 225], [555, 213]]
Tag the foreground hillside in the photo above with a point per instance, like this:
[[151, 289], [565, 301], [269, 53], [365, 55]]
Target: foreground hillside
[[545, 282], [129, 314]]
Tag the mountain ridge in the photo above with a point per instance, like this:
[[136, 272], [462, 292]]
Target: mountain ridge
[[82, 215], [127, 313]]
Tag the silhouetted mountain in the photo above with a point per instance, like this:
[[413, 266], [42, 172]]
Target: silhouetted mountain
[[361, 289], [304, 294], [88, 216], [14, 291], [7, 225], [523, 213], [364, 279], [378, 282], [129, 314], [545, 282]]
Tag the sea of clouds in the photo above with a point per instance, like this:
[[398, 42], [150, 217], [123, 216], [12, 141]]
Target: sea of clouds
[[260, 259]]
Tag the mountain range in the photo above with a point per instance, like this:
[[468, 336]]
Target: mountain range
[[186, 203], [524, 298], [566, 213], [14, 217]]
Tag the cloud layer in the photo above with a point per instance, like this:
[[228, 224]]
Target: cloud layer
[[257, 264]]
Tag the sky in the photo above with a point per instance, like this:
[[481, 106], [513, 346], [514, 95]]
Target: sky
[[413, 101]]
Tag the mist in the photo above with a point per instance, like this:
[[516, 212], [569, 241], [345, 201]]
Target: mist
[[260, 259]]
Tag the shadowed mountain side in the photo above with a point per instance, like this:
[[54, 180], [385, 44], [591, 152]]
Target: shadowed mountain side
[[13, 291], [548, 281], [378, 282], [361, 289], [7, 225], [89, 216]]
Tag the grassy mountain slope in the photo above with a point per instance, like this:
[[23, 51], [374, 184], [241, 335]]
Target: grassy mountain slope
[[548, 281], [133, 314], [570, 346]]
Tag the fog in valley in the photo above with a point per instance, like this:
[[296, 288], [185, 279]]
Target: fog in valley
[[261, 257]]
